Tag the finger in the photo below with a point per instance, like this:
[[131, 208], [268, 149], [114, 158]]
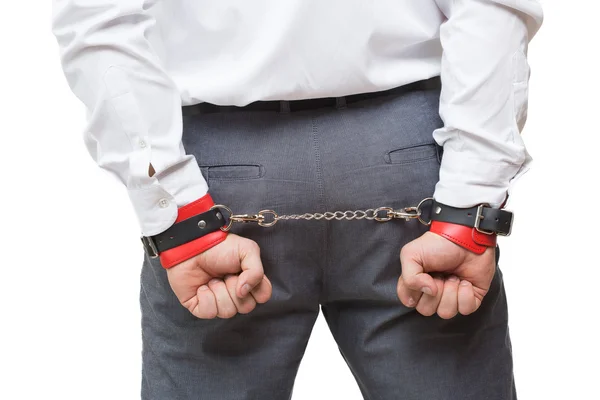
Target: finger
[[468, 303], [408, 297], [225, 306], [203, 305], [263, 291], [428, 305], [448, 307], [243, 305], [251, 265], [413, 275]]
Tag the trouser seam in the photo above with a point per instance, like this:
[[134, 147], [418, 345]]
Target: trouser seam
[[321, 201]]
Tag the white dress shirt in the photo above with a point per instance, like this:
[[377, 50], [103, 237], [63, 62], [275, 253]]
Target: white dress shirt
[[134, 63]]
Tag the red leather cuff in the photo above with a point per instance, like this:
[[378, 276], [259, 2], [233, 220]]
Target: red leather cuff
[[172, 257], [464, 236]]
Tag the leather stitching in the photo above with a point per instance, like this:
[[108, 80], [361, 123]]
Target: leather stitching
[[438, 228], [206, 202], [200, 246], [477, 249], [483, 239]]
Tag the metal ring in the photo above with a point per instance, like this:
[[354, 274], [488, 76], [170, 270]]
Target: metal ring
[[421, 213], [384, 219], [267, 224], [230, 222]]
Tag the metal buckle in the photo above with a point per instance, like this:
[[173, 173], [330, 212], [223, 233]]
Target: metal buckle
[[512, 216], [149, 246], [478, 219]]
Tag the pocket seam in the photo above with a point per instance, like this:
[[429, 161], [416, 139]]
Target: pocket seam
[[261, 172], [429, 145]]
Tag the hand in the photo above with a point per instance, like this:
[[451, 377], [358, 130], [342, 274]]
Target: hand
[[222, 281], [441, 276]]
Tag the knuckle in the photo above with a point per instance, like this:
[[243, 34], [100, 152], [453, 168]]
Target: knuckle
[[227, 313], [445, 314], [247, 308], [407, 249], [215, 284], [410, 281], [206, 314], [426, 311], [404, 252], [256, 276], [252, 246], [262, 298]]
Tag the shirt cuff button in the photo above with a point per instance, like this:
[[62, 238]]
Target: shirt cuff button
[[163, 203]]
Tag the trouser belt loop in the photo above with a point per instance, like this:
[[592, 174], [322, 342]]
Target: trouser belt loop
[[284, 107], [340, 103]]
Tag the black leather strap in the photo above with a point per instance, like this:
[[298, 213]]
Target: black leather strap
[[491, 220], [183, 232]]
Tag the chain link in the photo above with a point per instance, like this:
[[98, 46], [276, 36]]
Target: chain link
[[268, 218], [329, 215]]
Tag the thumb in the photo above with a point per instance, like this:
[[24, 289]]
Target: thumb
[[251, 266], [413, 275]]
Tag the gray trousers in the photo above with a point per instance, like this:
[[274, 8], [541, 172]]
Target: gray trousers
[[377, 152]]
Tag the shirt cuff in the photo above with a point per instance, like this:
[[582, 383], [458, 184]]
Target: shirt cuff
[[156, 203], [465, 182]]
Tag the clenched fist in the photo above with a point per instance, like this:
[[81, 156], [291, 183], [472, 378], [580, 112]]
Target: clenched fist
[[222, 281], [439, 276]]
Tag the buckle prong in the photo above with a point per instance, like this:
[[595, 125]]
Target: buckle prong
[[478, 218]]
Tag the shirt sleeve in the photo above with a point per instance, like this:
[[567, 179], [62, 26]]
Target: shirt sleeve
[[133, 107], [483, 104]]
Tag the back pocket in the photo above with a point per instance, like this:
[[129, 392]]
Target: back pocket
[[414, 153], [232, 172]]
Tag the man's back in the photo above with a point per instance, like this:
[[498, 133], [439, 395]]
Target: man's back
[[239, 52]]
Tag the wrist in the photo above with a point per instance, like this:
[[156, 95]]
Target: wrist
[[473, 228], [466, 237], [185, 239]]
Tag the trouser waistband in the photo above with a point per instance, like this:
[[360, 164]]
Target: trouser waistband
[[310, 104]]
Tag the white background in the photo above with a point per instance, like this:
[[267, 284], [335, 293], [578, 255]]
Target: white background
[[69, 314]]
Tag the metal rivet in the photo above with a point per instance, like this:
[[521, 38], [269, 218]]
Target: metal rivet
[[438, 209], [219, 216], [202, 224]]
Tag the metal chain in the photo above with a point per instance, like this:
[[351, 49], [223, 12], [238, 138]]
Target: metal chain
[[267, 218], [369, 214]]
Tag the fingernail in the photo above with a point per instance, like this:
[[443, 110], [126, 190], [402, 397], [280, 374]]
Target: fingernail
[[411, 302], [245, 289], [426, 290], [203, 287], [214, 280], [453, 278], [464, 283]]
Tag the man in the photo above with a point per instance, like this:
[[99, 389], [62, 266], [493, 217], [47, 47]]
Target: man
[[312, 106]]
